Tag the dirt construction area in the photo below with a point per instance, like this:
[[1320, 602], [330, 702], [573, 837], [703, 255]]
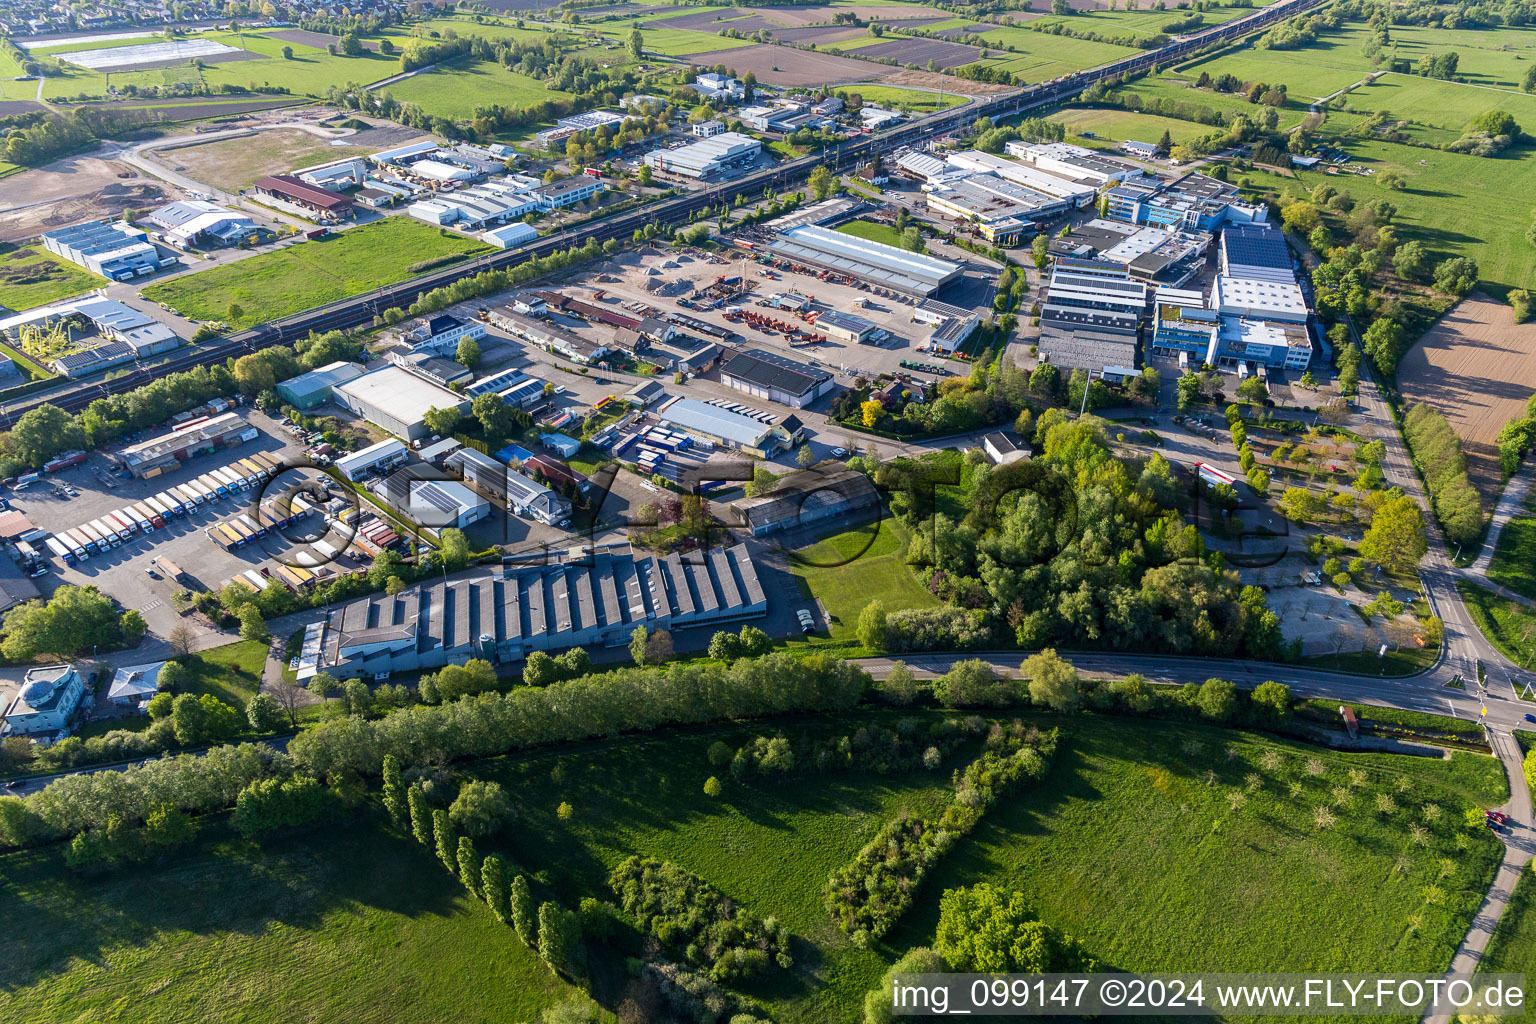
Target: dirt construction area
[[1478, 367], [233, 165], [68, 191]]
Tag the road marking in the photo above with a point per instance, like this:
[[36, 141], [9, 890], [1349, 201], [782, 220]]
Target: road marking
[[151, 606]]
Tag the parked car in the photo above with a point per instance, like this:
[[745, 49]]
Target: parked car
[[838, 453]]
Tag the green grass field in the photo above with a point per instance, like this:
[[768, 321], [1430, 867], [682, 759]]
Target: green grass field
[[1509, 626], [872, 231], [1046, 56], [1135, 849], [349, 923], [846, 571], [679, 42], [1135, 845], [1440, 111], [456, 89], [1175, 87], [1514, 560], [1446, 202], [903, 99], [1513, 946], [32, 276], [1112, 126], [283, 281]]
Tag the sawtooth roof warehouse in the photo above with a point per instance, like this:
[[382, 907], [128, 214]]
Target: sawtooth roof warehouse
[[507, 614]]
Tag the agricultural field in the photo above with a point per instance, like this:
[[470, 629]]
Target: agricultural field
[[1313, 72], [293, 278], [1044, 56], [1446, 202], [677, 42], [1474, 366], [455, 89], [32, 276], [233, 165], [288, 930], [780, 65]]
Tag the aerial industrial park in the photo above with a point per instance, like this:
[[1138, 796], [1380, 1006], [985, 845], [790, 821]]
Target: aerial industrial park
[[625, 512]]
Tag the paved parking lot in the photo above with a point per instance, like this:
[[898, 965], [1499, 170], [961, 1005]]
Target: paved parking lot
[[121, 571]]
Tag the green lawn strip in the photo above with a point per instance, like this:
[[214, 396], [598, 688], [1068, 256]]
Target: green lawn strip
[[1514, 560], [847, 571], [1508, 625], [1404, 661], [345, 923], [871, 231], [1513, 946], [679, 42], [903, 99], [1133, 848], [1110, 125], [283, 281], [32, 276]]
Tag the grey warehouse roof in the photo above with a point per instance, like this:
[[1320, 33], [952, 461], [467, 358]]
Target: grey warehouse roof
[[859, 257], [773, 371]]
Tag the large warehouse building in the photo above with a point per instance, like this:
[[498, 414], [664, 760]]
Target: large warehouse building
[[198, 222], [875, 262], [114, 250], [289, 193], [308, 390], [397, 400], [507, 614], [775, 378], [707, 157]]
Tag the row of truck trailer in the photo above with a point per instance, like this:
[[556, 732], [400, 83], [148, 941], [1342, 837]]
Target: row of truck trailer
[[111, 530]]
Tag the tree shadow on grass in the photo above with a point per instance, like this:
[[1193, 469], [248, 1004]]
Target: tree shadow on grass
[[222, 884]]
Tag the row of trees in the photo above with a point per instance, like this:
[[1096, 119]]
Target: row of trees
[[1438, 456], [869, 894], [71, 621], [491, 723]]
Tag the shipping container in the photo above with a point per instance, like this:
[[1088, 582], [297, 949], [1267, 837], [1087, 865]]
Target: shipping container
[[234, 537], [244, 530], [186, 495], [107, 534], [219, 486], [171, 570], [255, 468], [161, 508], [171, 502], [259, 529], [205, 490], [26, 552], [139, 519], [233, 480], [64, 461], [61, 551], [223, 538], [249, 434]]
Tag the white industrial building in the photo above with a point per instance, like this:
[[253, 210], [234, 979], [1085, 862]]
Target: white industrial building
[[566, 192], [875, 262], [396, 399], [711, 85], [1259, 300], [475, 207], [437, 334], [44, 703], [338, 176], [1075, 192], [509, 236], [128, 334], [403, 155], [375, 458], [1264, 342], [1003, 210], [707, 157], [1073, 162], [198, 222], [708, 129], [435, 504], [115, 250]]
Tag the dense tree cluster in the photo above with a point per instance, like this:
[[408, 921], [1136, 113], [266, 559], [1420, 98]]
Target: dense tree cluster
[[1438, 456], [273, 805], [985, 930], [1078, 547], [119, 840], [870, 748], [868, 895], [685, 913], [1516, 438], [72, 621]]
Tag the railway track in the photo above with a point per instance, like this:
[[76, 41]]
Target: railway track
[[73, 396]]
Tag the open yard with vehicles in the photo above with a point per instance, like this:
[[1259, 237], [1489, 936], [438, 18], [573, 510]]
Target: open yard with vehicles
[[274, 284], [233, 165], [1474, 366], [32, 276], [1137, 818]]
